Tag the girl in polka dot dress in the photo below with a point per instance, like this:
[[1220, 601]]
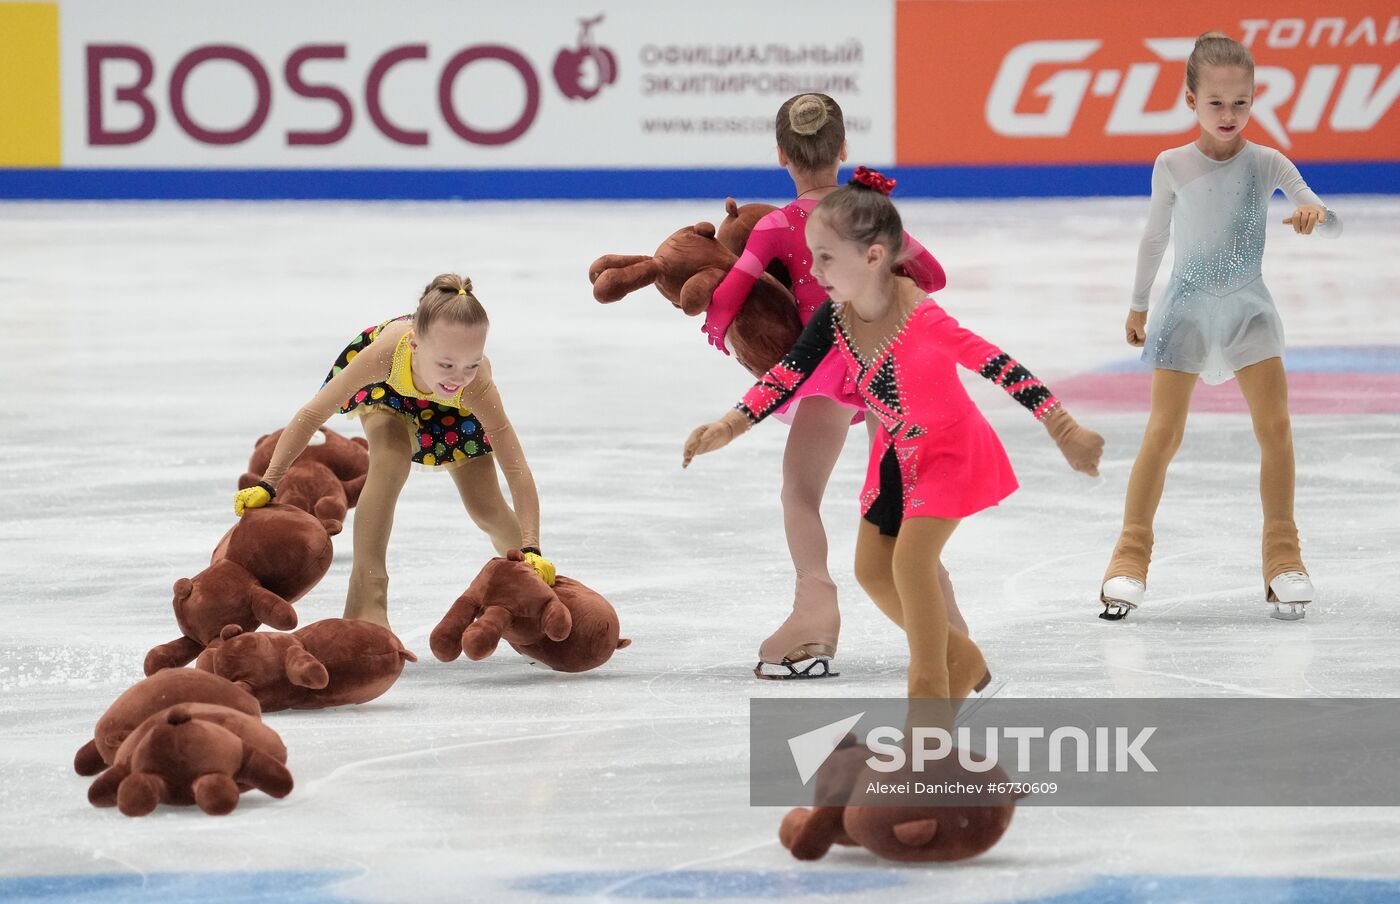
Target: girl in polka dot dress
[[421, 386], [811, 146]]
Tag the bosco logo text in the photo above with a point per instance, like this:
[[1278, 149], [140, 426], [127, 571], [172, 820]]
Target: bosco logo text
[[129, 79]]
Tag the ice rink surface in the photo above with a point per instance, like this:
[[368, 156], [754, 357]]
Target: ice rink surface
[[148, 345]]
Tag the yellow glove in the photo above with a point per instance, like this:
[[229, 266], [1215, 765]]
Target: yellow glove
[[256, 496], [543, 567]]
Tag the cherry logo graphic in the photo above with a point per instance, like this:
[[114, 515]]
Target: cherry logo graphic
[[585, 70]]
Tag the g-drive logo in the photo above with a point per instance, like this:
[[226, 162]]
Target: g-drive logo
[[1063, 749], [1360, 94]]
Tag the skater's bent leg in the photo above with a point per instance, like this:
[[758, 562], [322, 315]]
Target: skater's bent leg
[[1166, 425], [814, 444], [1265, 388], [486, 505], [875, 570], [950, 601], [875, 574], [943, 662], [390, 454]]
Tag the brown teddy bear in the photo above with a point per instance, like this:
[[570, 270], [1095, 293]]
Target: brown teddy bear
[[592, 640], [331, 662], [688, 267], [270, 559], [567, 627], [149, 695], [193, 753], [325, 480], [955, 831]]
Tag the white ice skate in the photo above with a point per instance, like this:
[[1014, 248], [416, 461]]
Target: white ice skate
[[1120, 596], [1292, 589]]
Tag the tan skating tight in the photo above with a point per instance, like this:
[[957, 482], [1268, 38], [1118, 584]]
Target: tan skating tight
[[1265, 389], [818, 432], [902, 575], [390, 453]]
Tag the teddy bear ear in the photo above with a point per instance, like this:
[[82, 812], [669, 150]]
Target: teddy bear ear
[[229, 632], [183, 588], [515, 555], [360, 441]]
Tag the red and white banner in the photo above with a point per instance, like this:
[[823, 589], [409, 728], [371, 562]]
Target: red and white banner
[[1098, 81]]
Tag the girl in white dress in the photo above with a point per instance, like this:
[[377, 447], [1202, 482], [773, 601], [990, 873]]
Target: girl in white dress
[[1215, 319]]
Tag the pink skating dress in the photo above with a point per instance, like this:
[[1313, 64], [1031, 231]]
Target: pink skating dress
[[782, 236], [935, 455]]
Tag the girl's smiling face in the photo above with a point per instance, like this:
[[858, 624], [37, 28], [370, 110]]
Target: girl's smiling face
[[1222, 101], [448, 358]]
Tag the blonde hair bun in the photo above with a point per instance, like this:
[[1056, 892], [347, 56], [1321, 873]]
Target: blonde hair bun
[[808, 114]]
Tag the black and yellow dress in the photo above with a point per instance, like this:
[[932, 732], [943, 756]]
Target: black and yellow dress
[[446, 432]]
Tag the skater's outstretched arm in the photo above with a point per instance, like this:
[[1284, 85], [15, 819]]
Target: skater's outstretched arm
[[370, 366], [484, 400], [1081, 448], [781, 382], [773, 388]]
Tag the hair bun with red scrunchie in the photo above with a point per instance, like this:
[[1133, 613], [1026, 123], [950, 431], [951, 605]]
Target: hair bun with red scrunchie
[[875, 181]]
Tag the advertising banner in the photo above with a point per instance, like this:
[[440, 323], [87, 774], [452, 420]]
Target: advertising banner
[[616, 83], [1102, 81]]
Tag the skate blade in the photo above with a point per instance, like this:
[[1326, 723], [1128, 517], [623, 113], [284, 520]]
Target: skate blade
[[787, 670], [1295, 611], [1115, 610], [975, 700]]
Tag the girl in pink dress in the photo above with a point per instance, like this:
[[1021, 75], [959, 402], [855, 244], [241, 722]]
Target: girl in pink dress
[[811, 146], [935, 460]]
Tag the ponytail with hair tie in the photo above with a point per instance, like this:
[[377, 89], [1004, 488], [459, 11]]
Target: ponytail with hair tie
[[873, 180]]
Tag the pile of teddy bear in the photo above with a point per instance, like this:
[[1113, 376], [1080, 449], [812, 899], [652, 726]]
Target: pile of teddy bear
[[196, 736]]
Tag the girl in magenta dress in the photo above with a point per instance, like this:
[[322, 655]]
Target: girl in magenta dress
[[811, 146], [935, 459]]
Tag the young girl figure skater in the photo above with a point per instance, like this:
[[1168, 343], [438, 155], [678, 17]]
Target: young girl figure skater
[[421, 385], [1216, 318], [935, 459], [811, 136]]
